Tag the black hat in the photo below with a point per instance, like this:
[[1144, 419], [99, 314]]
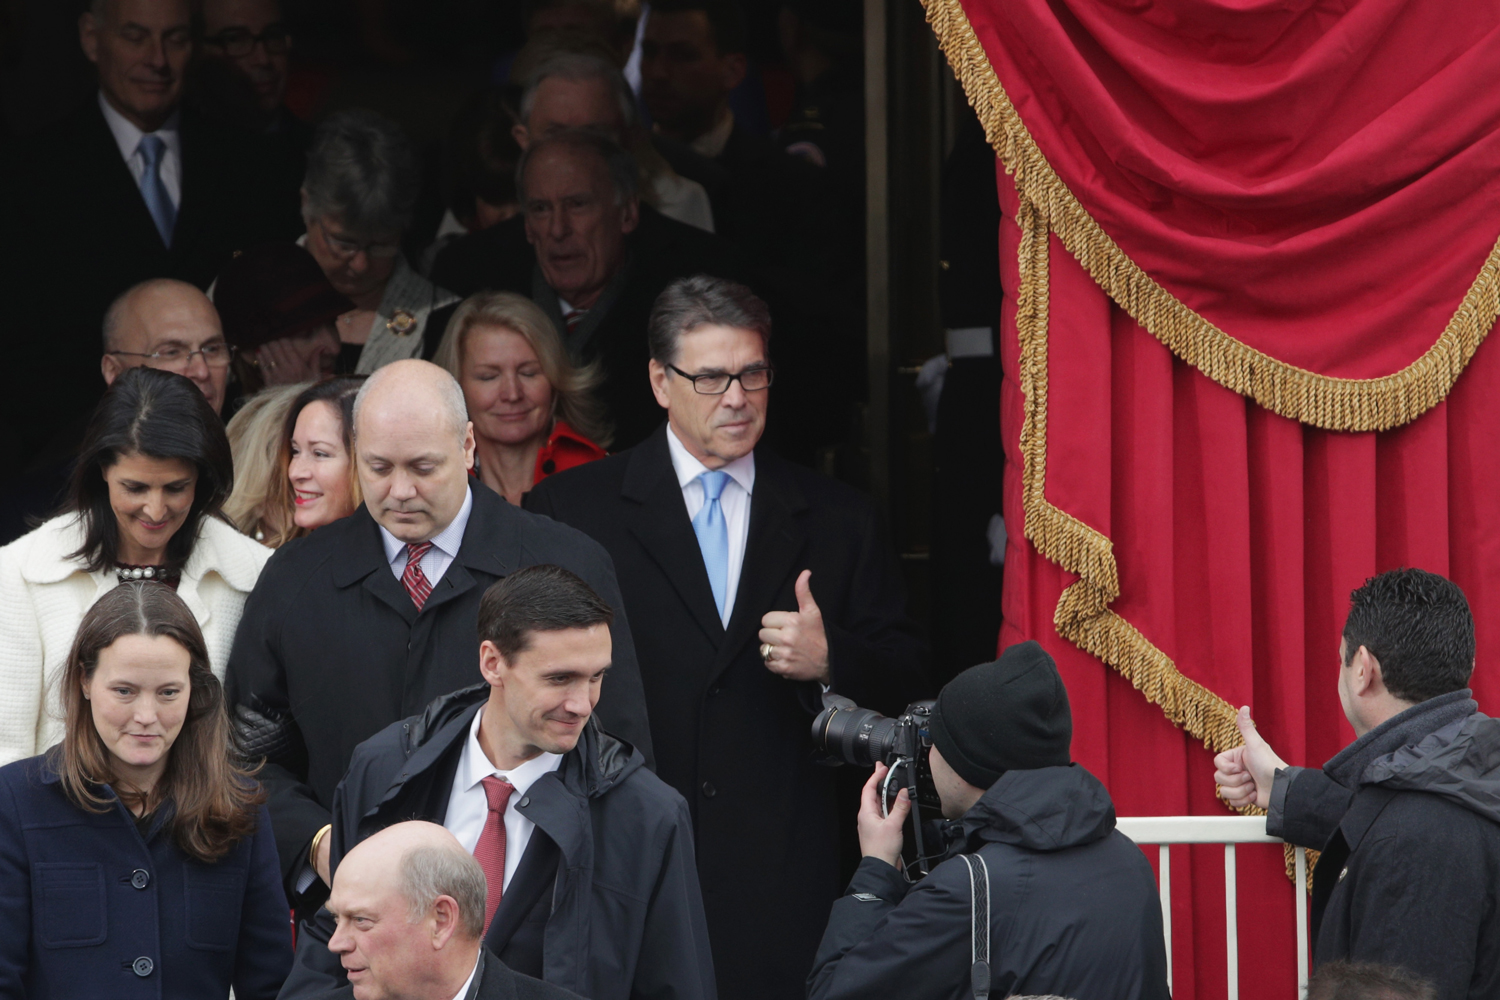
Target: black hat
[[273, 291], [1009, 715]]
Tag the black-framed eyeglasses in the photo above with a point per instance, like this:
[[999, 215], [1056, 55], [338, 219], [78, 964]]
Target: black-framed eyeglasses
[[177, 358], [717, 383], [239, 42]]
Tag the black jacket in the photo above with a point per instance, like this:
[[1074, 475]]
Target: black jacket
[[1073, 906], [732, 737], [1408, 819], [661, 250], [87, 236], [333, 650], [624, 918], [496, 982]]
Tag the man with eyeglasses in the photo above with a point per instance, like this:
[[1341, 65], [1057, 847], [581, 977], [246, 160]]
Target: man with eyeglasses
[[169, 325], [249, 40], [753, 587]]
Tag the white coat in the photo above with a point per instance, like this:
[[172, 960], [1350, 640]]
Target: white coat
[[43, 597]]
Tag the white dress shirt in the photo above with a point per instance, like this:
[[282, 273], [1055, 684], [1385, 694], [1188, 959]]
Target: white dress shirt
[[128, 138], [734, 502], [444, 545], [469, 807], [470, 981]]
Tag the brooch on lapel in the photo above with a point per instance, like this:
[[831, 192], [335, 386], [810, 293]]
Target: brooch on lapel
[[401, 323]]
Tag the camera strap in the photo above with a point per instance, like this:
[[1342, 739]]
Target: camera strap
[[979, 924]]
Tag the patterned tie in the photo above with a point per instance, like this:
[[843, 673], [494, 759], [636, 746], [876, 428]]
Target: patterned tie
[[713, 535], [573, 317], [414, 580], [158, 202], [490, 851]]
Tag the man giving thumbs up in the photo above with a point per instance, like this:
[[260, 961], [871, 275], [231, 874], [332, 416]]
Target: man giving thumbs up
[[718, 544]]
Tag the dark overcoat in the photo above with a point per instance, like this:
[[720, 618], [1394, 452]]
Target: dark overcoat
[[732, 737], [332, 648], [89, 908], [496, 982]]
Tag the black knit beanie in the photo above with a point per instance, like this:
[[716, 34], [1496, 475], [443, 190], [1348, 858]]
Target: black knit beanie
[[1004, 716]]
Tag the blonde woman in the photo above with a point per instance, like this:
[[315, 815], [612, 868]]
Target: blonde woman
[[294, 464], [255, 434], [534, 413]]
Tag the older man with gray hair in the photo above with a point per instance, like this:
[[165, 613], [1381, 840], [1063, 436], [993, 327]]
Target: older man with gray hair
[[409, 905], [368, 619], [357, 201]]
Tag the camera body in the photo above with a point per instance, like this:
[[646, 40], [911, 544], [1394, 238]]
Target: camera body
[[847, 734]]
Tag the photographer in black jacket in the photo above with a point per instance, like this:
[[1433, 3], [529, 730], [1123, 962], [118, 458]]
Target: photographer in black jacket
[[1073, 907]]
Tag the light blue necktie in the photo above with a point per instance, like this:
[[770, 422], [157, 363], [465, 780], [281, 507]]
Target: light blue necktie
[[713, 535], [158, 202]]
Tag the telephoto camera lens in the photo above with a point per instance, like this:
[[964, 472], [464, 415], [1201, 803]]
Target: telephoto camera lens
[[859, 736]]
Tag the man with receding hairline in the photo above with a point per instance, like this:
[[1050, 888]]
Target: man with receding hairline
[[409, 906], [370, 618], [170, 325]]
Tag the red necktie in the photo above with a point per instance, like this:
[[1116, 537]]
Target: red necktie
[[573, 317], [413, 579], [490, 851]]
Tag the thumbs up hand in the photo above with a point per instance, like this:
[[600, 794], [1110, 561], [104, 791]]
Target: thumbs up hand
[[794, 643], [1244, 774]]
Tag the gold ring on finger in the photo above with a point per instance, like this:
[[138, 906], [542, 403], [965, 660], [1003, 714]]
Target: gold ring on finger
[[765, 651]]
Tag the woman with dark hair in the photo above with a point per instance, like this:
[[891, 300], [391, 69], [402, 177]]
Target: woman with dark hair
[[308, 478], [143, 504], [138, 848]]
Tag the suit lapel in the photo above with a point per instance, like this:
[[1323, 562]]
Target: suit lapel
[[121, 194], [365, 562], [658, 518], [776, 541], [197, 175]]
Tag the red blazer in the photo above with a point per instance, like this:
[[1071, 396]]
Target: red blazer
[[564, 449]]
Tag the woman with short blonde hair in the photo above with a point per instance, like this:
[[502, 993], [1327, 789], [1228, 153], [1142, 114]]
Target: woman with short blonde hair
[[534, 412]]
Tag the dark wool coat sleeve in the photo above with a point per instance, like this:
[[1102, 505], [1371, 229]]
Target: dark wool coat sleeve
[[675, 961], [1306, 806], [256, 677], [263, 956]]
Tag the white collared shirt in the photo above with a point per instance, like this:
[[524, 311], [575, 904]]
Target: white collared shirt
[[128, 138], [470, 981], [469, 807], [444, 545], [734, 502]]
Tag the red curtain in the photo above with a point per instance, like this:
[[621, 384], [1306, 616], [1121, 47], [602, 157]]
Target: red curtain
[[1217, 215]]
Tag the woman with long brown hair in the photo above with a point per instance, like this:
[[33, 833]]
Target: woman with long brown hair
[[138, 847]]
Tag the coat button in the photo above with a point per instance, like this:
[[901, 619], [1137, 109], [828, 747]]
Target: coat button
[[142, 966], [525, 801], [549, 467], [709, 791], [140, 878], [715, 689]]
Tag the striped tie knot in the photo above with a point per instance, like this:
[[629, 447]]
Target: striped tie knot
[[413, 579]]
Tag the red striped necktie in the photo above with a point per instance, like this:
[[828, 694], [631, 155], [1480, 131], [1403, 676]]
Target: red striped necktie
[[573, 317], [413, 579], [490, 851]]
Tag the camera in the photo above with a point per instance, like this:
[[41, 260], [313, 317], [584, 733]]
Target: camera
[[844, 733]]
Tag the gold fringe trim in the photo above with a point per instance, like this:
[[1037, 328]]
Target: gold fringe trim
[[1333, 404], [1083, 615]]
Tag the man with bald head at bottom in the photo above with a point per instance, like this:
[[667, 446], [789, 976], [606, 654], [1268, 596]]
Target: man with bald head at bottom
[[409, 903], [367, 620]]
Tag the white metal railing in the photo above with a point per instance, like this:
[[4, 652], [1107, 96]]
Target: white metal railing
[[1227, 830]]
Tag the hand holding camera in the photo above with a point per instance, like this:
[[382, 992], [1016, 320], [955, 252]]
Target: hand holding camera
[[880, 834]]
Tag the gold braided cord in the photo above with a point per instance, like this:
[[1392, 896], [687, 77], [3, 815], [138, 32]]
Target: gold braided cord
[[1334, 404]]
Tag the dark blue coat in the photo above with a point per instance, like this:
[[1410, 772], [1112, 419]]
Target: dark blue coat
[[89, 909]]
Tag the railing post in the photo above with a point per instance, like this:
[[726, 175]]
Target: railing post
[[1301, 854], [1164, 890], [1231, 922]]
